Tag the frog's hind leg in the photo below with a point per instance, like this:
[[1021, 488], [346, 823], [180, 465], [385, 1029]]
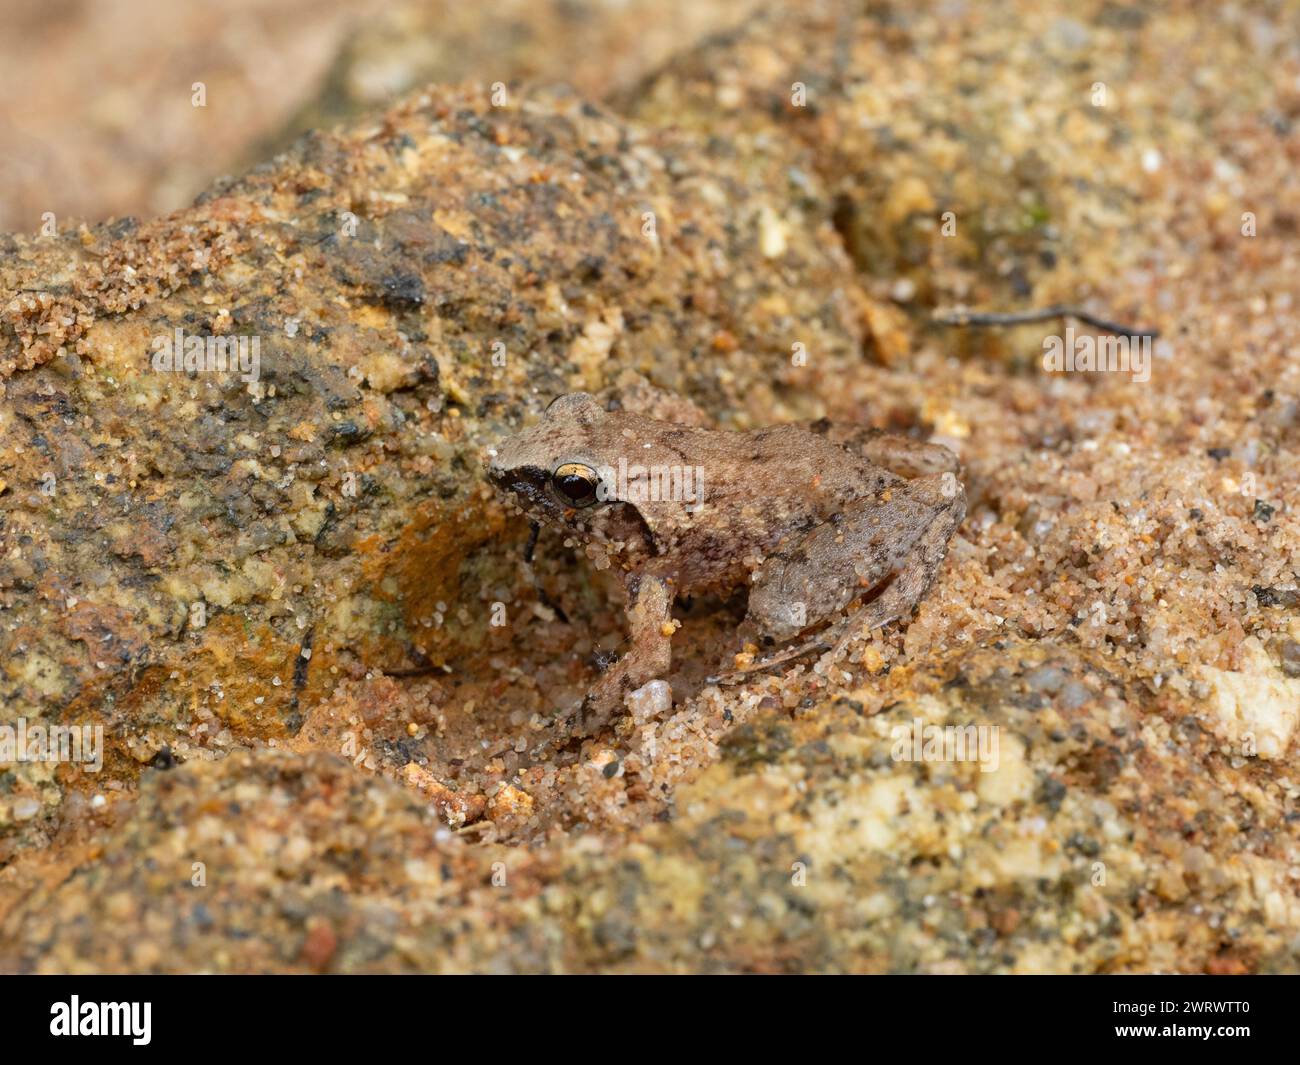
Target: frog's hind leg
[[912, 579], [903, 537]]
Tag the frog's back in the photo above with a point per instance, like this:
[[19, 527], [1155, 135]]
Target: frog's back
[[756, 487], [795, 474]]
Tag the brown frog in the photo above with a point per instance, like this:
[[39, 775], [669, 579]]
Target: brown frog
[[810, 517]]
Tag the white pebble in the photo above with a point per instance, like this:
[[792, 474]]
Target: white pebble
[[25, 809], [650, 700]]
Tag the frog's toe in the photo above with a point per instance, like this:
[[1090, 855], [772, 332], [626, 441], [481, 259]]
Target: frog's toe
[[741, 672]]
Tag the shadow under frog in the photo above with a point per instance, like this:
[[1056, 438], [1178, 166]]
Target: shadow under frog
[[809, 517]]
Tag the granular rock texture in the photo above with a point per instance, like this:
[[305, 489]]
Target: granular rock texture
[[1104, 840], [194, 559], [328, 678]]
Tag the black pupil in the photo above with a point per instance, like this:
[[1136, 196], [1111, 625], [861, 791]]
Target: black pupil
[[575, 488]]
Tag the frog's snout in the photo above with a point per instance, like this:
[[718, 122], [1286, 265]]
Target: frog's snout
[[500, 470], [525, 484]]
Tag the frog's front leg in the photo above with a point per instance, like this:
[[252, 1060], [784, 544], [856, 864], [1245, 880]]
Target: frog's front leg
[[648, 656], [901, 536]]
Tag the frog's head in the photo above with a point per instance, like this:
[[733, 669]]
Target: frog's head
[[558, 473]]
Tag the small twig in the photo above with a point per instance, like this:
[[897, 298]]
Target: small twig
[[962, 317]]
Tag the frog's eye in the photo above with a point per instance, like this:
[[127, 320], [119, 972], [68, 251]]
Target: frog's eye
[[576, 483]]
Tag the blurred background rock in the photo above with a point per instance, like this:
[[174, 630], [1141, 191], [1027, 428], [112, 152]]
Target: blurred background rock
[[96, 118]]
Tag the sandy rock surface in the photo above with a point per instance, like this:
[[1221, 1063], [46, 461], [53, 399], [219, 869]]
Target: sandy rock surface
[[280, 598]]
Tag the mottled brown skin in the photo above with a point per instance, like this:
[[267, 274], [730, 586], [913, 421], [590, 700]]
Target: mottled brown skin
[[809, 517]]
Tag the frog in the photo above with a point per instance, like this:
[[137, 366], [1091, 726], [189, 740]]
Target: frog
[[810, 517]]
